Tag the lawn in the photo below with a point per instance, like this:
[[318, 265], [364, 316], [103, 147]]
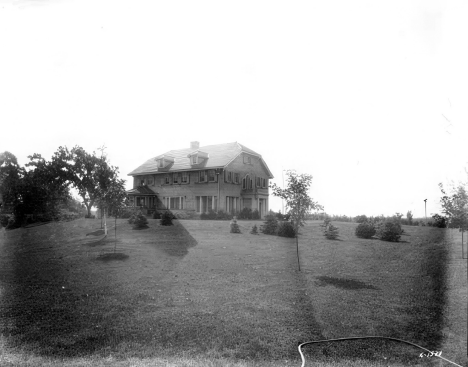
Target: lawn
[[194, 294]]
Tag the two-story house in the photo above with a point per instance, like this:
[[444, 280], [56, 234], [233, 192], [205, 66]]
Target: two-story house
[[227, 177]]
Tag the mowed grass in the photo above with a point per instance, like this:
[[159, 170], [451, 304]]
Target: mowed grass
[[194, 294]]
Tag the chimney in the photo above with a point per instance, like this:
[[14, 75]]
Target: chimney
[[194, 144]]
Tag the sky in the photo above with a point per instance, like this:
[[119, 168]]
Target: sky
[[368, 97]]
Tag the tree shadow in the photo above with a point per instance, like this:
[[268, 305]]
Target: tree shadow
[[109, 256], [343, 283]]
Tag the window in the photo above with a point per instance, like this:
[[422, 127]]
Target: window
[[142, 182], [176, 202], [167, 180], [227, 176], [258, 181], [211, 175], [161, 163], [202, 176], [264, 183], [236, 178], [194, 159], [247, 182], [175, 178], [185, 177], [206, 203]]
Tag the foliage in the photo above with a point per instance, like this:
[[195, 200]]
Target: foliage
[[439, 221], [245, 213], [156, 215], [90, 216], [270, 226], [139, 221], [329, 230], [166, 218], [361, 219], [234, 226], [389, 230], [34, 194], [95, 179], [280, 216], [125, 213], [455, 207], [4, 219], [254, 229], [365, 230], [255, 214], [409, 217], [296, 194], [286, 229]]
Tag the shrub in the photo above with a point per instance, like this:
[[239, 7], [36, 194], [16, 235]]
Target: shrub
[[223, 216], [255, 215], [12, 223], [389, 231], [156, 215], [211, 215], [245, 213], [365, 230], [286, 229], [331, 232], [140, 221], [132, 218], [90, 216], [254, 230], [439, 221], [4, 218], [270, 226], [166, 218], [360, 219], [234, 226], [125, 213]]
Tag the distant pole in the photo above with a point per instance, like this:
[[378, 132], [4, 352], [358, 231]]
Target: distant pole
[[425, 214]]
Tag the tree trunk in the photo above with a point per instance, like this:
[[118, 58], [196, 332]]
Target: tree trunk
[[297, 250]]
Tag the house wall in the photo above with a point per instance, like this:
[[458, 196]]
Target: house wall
[[227, 189]]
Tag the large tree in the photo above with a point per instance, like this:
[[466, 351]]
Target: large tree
[[298, 202], [455, 206], [10, 178], [91, 175]]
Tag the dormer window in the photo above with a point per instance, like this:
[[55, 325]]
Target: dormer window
[[163, 161], [197, 157], [247, 159]]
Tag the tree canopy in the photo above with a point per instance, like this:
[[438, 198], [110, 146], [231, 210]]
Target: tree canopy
[[92, 176], [455, 206]]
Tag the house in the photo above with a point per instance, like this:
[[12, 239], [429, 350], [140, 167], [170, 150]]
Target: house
[[227, 177]]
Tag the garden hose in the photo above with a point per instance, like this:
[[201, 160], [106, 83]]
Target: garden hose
[[368, 337]]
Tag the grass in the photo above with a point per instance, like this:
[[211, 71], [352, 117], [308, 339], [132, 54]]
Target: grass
[[194, 294]]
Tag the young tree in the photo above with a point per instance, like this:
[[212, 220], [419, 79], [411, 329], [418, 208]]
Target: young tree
[[455, 207], [298, 202]]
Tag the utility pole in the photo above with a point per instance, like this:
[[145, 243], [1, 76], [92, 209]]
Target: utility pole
[[425, 214]]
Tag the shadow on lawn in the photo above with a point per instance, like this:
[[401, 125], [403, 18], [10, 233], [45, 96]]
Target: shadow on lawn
[[344, 283], [68, 306]]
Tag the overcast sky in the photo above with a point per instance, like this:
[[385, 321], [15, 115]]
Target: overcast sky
[[369, 97]]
